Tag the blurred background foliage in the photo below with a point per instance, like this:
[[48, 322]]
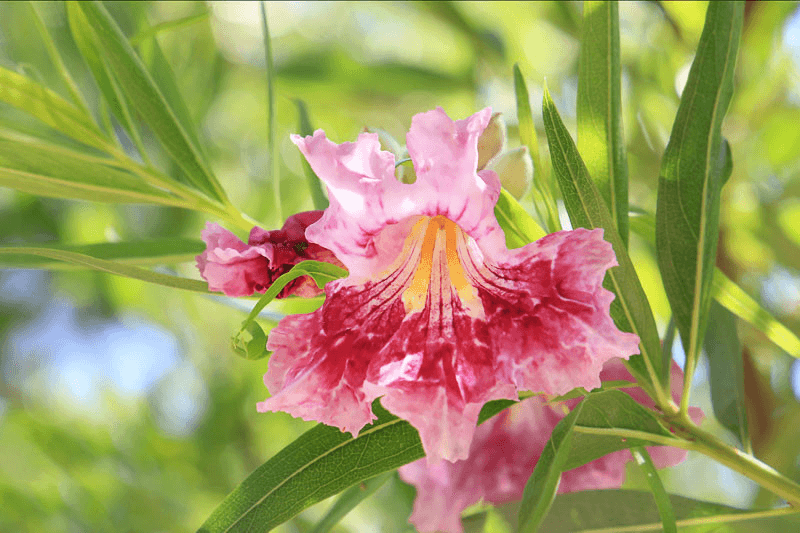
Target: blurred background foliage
[[122, 405]]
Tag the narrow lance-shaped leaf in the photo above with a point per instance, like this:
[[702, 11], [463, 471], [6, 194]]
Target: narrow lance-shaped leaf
[[599, 110], [599, 511], [26, 95], [87, 45], [46, 170], [142, 253], [112, 267], [630, 309], [543, 196], [602, 423], [55, 58], [146, 97], [314, 183], [272, 142], [735, 299], [660, 496], [692, 173], [726, 373]]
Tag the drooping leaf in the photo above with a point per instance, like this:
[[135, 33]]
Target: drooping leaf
[[46, 170], [144, 253], [148, 100], [602, 423], [606, 511], [26, 95], [112, 267], [314, 183], [584, 203], [726, 373], [695, 165], [660, 496], [599, 110]]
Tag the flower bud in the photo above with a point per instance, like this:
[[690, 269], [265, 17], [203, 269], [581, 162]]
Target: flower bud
[[492, 141], [515, 170]]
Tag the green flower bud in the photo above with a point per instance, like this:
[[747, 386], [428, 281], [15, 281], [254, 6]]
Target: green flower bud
[[492, 141], [515, 170]]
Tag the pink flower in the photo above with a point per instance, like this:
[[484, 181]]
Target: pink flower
[[437, 316], [239, 269], [504, 453]]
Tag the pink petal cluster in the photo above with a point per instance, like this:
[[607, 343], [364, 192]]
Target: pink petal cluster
[[238, 269], [437, 316], [505, 451]]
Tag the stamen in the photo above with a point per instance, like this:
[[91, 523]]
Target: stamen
[[441, 239]]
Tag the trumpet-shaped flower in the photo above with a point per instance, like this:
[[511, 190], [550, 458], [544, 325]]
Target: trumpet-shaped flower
[[239, 269], [437, 316], [505, 451]]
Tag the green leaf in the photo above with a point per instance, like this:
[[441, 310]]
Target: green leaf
[[55, 58], [642, 458], [584, 203], [599, 110], [613, 511], [87, 45], [320, 463], [169, 25], [693, 171], [45, 105], [144, 253], [518, 226], [726, 373], [246, 341], [543, 195], [349, 500], [734, 298], [314, 183], [540, 490], [46, 170], [112, 267], [738, 302], [272, 142], [602, 423], [147, 99], [162, 72]]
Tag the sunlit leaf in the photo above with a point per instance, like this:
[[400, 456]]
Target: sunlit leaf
[[695, 165], [584, 203], [112, 267], [600, 135], [143, 253], [518, 226], [58, 172], [147, 99], [314, 183], [26, 95]]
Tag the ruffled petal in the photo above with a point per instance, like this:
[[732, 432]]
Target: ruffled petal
[[504, 452], [238, 269], [437, 317]]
